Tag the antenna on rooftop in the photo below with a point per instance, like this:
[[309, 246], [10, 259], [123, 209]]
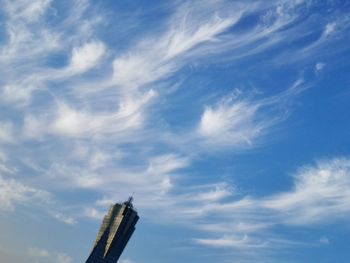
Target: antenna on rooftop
[[129, 202]]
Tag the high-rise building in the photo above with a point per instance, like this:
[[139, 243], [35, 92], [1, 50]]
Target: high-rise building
[[115, 232]]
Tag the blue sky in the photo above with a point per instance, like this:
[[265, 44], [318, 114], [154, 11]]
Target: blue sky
[[228, 120]]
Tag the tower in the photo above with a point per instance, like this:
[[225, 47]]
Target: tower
[[115, 231]]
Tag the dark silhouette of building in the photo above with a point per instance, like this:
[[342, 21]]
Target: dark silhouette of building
[[115, 232]]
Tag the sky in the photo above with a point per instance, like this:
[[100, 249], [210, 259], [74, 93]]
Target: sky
[[227, 120]]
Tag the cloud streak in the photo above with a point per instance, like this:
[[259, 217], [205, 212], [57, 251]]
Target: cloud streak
[[13, 193], [319, 196]]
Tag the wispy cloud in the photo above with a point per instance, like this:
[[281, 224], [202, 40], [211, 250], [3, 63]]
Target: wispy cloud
[[31, 42], [235, 122], [232, 242], [6, 133], [63, 120], [42, 255], [86, 57], [239, 121], [153, 176], [30, 11], [163, 54], [63, 218], [37, 252], [13, 193], [319, 196]]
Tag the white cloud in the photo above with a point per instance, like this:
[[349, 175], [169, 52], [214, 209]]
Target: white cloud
[[6, 132], [30, 42], [13, 192], [153, 176], [86, 57], [319, 66], [329, 29], [93, 213], [13, 93], [27, 10], [42, 254], [98, 160], [320, 196], [72, 122], [321, 193], [38, 252], [150, 180], [63, 258], [218, 192], [157, 57], [5, 167], [166, 164], [231, 122], [20, 90], [32, 127], [26, 41], [66, 121], [236, 242], [239, 122], [182, 37], [63, 218], [324, 240]]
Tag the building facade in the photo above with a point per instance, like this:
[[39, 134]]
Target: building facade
[[116, 229]]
